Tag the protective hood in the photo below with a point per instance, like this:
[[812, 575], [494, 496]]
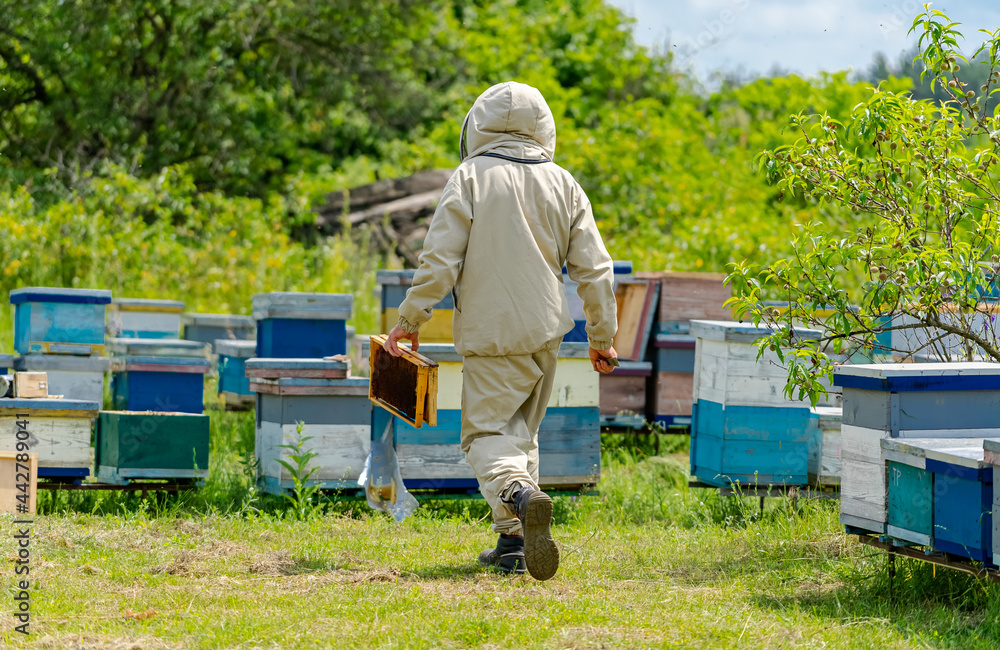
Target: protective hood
[[511, 117]]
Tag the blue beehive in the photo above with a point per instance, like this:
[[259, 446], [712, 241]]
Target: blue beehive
[[623, 270], [59, 321], [163, 375], [909, 400], [569, 438], [234, 385], [743, 429], [301, 325], [940, 494]]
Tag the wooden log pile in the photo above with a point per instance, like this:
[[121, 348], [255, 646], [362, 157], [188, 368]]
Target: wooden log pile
[[396, 211]]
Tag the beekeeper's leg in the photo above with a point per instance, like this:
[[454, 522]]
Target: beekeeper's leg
[[503, 403]]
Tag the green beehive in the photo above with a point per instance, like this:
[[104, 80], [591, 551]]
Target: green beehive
[[148, 445]]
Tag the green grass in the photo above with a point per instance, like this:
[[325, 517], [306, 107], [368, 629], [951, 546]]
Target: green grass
[[648, 563]]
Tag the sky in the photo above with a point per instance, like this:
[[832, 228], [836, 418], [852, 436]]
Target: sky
[[804, 36]]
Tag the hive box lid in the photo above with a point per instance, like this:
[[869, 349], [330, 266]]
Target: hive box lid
[[736, 332], [236, 348], [318, 386], [904, 377], [6, 360], [57, 294], [43, 362], [147, 304], [965, 452], [159, 348], [21, 405], [219, 320], [292, 304], [675, 341], [328, 368]]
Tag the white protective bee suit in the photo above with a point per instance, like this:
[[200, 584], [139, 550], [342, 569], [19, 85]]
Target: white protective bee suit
[[509, 219]]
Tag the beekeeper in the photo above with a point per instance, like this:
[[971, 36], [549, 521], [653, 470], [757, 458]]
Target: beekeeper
[[509, 219]]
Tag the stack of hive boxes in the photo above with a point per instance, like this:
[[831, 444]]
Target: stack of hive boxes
[[623, 392], [744, 429], [907, 472], [59, 332], [158, 428], [331, 408], [301, 377]]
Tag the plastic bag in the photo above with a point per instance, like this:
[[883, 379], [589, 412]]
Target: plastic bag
[[382, 480]]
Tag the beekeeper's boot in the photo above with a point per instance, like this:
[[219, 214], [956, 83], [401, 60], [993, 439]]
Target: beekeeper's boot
[[507, 557], [534, 509]]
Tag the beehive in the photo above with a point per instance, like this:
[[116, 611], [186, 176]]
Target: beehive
[[59, 321], [72, 376], [234, 385], [58, 430], [991, 454], [144, 318], [912, 400], [672, 389], [301, 325], [151, 445], [743, 428], [162, 375], [332, 408], [209, 328], [825, 447], [940, 494]]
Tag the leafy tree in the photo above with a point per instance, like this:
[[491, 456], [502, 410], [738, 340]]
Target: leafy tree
[[905, 255], [239, 91]]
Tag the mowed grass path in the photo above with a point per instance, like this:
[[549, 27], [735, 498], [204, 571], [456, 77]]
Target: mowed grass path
[[647, 564]]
